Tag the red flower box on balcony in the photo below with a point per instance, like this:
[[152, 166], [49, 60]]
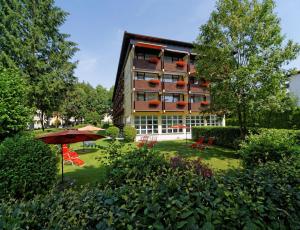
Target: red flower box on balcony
[[154, 81], [205, 84], [180, 63], [154, 60], [181, 103], [204, 102], [154, 102], [180, 83]]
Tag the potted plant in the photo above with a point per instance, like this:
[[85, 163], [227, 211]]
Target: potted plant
[[181, 103], [180, 83], [154, 81], [204, 103], [180, 63], [154, 102], [154, 60]]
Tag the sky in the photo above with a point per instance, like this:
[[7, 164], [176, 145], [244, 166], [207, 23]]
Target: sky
[[97, 26]]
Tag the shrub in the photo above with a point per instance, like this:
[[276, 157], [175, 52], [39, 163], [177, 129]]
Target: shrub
[[269, 145], [113, 132], [228, 136], [259, 198], [28, 167], [129, 133], [105, 126]]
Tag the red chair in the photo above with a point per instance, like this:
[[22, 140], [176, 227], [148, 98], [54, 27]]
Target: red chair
[[67, 150], [71, 157], [209, 143], [198, 142]]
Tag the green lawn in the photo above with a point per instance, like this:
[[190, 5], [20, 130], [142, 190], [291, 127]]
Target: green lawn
[[94, 171]]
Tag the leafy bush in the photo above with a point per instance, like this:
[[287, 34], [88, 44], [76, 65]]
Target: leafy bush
[[113, 132], [129, 133], [105, 125], [28, 167], [269, 145], [263, 197], [228, 136]]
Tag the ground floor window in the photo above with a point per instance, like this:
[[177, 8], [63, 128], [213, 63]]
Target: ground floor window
[[168, 121], [214, 120], [192, 121], [146, 124]]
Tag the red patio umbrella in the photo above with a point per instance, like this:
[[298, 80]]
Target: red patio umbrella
[[67, 137], [179, 126]]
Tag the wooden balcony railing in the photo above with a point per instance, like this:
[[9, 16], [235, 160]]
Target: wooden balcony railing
[[144, 85], [147, 106], [174, 87], [147, 64], [173, 67], [175, 106]]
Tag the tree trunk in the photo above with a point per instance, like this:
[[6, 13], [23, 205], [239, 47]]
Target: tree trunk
[[242, 124], [42, 120]]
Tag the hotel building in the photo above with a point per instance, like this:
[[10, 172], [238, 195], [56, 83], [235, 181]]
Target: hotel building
[[157, 89]]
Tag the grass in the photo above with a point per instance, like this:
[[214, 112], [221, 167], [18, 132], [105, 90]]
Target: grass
[[94, 171]]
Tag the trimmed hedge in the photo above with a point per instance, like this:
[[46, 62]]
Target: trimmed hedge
[[229, 136], [129, 133], [28, 167], [113, 132]]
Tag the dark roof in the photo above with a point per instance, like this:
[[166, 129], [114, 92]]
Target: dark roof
[[139, 37]]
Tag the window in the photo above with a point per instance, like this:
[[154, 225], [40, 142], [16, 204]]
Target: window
[[169, 121], [192, 61], [194, 80], [192, 121], [144, 56], [145, 76], [147, 96], [170, 59], [213, 120], [146, 124], [172, 78], [197, 98], [173, 97]]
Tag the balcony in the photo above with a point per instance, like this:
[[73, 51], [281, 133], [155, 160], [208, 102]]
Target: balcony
[[192, 69], [199, 106], [174, 67], [175, 106], [146, 64], [144, 85], [175, 87], [196, 88], [147, 106]]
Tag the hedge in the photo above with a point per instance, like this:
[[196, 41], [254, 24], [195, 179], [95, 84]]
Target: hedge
[[229, 136]]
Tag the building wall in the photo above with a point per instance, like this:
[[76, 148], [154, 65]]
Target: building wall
[[128, 88], [294, 87]]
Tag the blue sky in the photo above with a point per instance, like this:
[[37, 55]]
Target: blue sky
[[98, 26]]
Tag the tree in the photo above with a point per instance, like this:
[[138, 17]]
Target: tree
[[30, 41], [242, 52], [15, 113]]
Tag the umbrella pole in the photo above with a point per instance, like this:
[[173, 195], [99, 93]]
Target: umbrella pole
[[62, 164]]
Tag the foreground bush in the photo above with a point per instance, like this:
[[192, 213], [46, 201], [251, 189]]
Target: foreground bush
[[269, 145], [266, 197], [28, 167], [129, 133], [113, 132]]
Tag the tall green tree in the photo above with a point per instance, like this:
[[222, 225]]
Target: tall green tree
[[15, 114], [30, 40], [242, 51]]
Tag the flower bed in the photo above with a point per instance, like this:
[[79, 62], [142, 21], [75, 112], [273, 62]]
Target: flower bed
[[180, 83], [154, 102], [154, 60], [205, 103], [180, 63], [205, 84], [154, 81], [181, 103]]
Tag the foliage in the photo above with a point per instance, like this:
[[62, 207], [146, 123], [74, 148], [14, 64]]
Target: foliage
[[15, 113], [56, 122], [266, 197], [129, 133], [28, 167], [31, 41], [228, 136], [245, 53], [92, 118], [113, 132], [268, 145], [105, 125]]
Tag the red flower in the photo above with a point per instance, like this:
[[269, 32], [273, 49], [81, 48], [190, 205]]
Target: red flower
[[180, 83], [205, 84], [154, 81], [204, 102], [154, 102], [180, 63], [154, 60], [181, 103]]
